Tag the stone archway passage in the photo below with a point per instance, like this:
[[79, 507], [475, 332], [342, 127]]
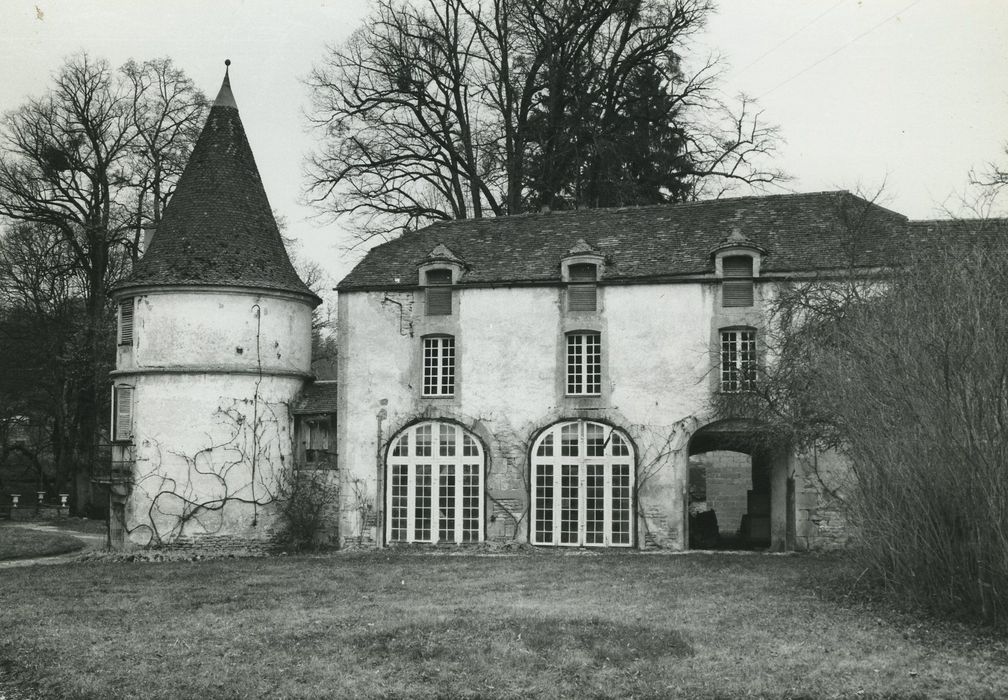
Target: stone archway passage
[[434, 485], [582, 486]]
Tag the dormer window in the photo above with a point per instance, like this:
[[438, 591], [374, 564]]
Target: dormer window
[[580, 271], [438, 273], [737, 262], [737, 287], [582, 290], [439, 292]]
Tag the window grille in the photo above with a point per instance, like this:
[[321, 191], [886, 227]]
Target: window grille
[[582, 291], [439, 366], [439, 292], [126, 321], [737, 284], [582, 495], [435, 485], [584, 364], [738, 360]]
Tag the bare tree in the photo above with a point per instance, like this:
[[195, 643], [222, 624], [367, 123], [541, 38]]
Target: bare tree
[[80, 161], [168, 112], [451, 109]]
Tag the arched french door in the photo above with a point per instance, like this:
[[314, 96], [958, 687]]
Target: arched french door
[[434, 485], [582, 486]]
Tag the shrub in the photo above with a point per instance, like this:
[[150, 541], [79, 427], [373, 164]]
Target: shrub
[[921, 396], [306, 505], [908, 375]]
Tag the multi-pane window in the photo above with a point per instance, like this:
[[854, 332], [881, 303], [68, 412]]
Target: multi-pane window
[[439, 365], [439, 292], [126, 321], [122, 413], [582, 481], [435, 485], [584, 364], [582, 289], [737, 280], [738, 360]]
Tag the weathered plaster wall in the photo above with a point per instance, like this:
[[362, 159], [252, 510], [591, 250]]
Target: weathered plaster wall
[[510, 385], [224, 329], [213, 375]]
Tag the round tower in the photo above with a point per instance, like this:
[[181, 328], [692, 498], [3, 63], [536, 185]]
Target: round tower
[[214, 343]]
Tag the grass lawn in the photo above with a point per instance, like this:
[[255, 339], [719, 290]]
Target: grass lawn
[[20, 542], [530, 625]]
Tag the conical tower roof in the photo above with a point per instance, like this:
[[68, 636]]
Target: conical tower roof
[[218, 228]]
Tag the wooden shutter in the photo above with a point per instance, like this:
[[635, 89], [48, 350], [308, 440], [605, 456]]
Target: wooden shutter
[[126, 321], [439, 293], [737, 266], [582, 292], [122, 413], [737, 292]]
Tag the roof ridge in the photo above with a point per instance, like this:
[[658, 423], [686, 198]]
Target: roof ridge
[[635, 207]]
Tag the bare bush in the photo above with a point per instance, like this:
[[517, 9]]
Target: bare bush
[[908, 375], [306, 503]]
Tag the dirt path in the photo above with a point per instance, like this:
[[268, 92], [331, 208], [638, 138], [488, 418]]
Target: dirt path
[[90, 540]]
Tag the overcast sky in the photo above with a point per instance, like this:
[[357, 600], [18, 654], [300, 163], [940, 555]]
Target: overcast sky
[[913, 92]]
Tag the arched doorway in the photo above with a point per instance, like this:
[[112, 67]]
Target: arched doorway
[[434, 485], [582, 481], [740, 491]]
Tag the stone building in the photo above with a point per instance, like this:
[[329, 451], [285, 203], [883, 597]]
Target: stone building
[[214, 345], [546, 378]]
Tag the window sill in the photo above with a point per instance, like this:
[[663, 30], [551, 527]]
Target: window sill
[[437, 396]]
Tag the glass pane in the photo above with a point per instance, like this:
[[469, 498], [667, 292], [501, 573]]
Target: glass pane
[[619, 446], [569, 504], [593, 364], [422, 504], [397, 509], [621, 504], [470, 502], [423, 440], [569, 440], [545, 448], [446, 444], [575, 359], [446, 503], [469, 446], [544, 503], [595, 446], [594, 504]]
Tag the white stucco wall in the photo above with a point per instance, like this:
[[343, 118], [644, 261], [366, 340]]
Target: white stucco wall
[[214, 373], [230, 329], [510, 384]]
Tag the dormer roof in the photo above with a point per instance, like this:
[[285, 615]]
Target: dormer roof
[[218, 228], [441, 253]]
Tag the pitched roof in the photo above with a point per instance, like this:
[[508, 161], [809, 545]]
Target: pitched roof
[[319, 397], [218, 228], [797, 232]]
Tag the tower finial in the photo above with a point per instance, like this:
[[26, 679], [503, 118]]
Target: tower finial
[[225, 98]]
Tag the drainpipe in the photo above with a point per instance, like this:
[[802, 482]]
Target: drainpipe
[[380, 482]]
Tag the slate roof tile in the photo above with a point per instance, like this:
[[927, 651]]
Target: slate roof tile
[[798, 232], [218, 227], [318, 397]]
